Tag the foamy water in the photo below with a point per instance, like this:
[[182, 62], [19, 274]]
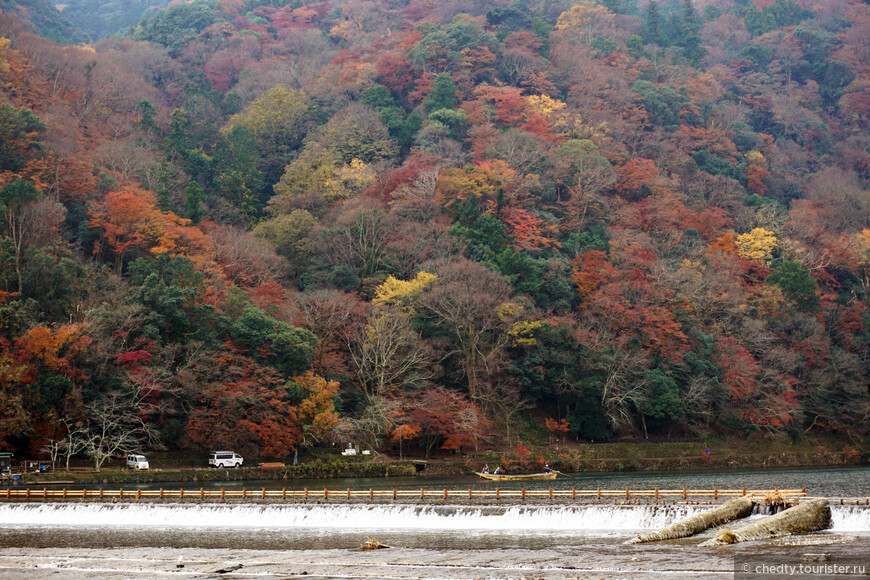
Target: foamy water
[[587, 518]]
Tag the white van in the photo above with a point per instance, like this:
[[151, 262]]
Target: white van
[[225, 459], [137, 462]]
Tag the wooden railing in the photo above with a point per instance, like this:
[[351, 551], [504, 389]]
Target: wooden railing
[[395, 494]]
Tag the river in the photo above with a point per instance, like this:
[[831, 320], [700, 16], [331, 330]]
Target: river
[[453, 541]]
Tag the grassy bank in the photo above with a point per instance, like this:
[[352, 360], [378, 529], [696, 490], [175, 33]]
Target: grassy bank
[[317, 468]]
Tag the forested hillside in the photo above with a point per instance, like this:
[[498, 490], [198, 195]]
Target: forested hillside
[[45, 19], [103, 18], [436, 224]]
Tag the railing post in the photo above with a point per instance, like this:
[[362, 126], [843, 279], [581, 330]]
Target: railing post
[[284, 493], [551, 493], [161, 493], [684, 493], [445, 493], [716, 492], [626, 492], [223, 494], [264, 494], [348, 493], [422, 493], [138, 493], [44, 493], [306, 494], [121, 493], [744, 490], [180, 493], [371, 493], [524, 494], [573, 493], [84, 493], [244, 493], [201, 493], [469, 493], [496, 493], [64, 493], [101, 493], [325, 493], [657, 494], [394, 493], [599, 492]]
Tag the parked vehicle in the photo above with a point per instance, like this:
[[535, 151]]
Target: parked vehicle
[[5, 462], [137, 462], [225, 459]]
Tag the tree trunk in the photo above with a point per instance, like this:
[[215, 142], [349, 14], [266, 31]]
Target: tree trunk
[[809, 516], [18, 270], [734, 509]]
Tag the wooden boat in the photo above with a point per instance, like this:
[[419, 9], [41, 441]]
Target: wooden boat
[[505, 477]]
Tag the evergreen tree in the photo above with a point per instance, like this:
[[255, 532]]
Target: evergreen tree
[[443, 95], [193, 205], [652, 25]]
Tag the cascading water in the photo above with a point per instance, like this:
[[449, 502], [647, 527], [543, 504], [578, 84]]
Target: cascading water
[[850, 519], [361, 517], [583, 519]]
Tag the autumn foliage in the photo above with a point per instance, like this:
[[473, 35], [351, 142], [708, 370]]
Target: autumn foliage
[[437, 225]]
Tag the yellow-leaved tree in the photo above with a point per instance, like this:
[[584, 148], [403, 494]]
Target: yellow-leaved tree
[[756, 245], [586, 20], [316, 413], [861, 244], [403, 294], [281, 115]]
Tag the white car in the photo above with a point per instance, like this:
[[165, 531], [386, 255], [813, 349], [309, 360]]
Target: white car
[[225, 459], [137, 462]]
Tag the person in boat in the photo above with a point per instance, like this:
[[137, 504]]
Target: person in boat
[[497, 470], [486, 468], [546, 468]]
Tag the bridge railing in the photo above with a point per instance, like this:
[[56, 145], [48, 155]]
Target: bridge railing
[[394, 494]]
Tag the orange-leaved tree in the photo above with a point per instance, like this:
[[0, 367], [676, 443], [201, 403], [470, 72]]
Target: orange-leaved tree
[[405, 431], [130, 222]]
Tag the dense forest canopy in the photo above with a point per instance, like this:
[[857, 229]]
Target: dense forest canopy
[[103, 18], [265, 225]]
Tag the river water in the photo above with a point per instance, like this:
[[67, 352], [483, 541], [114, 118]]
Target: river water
[[452, 541]]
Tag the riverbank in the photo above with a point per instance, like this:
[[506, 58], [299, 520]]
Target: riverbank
[[333, 468], [588, 458]]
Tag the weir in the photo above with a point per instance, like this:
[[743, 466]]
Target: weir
[[371, 495], [603, 519]]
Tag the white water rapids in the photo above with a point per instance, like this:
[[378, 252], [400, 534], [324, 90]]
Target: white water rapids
[[586, 518]]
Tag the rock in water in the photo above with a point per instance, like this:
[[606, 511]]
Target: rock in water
[[372, 544]]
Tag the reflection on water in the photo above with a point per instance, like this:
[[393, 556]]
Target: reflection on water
[[836, 482]]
